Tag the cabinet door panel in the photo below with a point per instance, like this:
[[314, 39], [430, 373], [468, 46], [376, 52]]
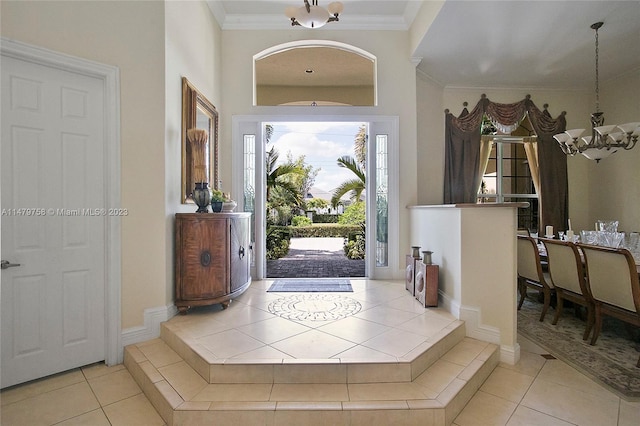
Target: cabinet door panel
[[239, 253], [205, 259]]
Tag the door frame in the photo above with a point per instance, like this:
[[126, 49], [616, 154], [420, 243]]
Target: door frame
[[378, 124], [110, 76]]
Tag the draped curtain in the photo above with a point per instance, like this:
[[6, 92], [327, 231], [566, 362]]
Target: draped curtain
[[485, 154], [463, 158]]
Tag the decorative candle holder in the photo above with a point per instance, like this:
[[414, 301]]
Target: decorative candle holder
[[416, 252], [426, 258]]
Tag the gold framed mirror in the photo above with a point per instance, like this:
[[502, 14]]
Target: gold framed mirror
[[199, 141]]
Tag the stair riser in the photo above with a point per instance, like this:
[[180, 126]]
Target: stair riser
[[306, 371]]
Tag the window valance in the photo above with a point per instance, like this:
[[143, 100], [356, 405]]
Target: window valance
[[462, 154]]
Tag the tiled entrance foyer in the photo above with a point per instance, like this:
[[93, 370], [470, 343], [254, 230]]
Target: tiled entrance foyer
[[388, 326]]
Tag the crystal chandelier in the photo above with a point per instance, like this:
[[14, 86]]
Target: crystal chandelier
[[312, 15], [604, 140]]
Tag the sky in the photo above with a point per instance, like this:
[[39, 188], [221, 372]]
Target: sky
[[322, 143]]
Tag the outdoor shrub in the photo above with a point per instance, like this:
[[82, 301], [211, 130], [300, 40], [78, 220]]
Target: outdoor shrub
[[277, 242], [277, 249], [354, 249], [301, 221], [353, 215], [323, 230], [354, 244], [279, 215]]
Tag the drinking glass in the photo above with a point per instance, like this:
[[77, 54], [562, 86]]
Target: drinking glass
[[607, 225], [589, 237], [631, 242]]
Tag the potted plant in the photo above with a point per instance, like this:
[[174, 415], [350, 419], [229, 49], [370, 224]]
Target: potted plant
[[217, 198]]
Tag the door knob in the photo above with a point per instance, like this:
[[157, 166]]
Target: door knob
[[6, 264]]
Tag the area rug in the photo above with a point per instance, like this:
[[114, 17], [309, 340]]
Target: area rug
[[311, 285], [611, 362]]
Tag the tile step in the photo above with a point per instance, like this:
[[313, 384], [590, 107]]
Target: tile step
[[332, 370], [429, 388]]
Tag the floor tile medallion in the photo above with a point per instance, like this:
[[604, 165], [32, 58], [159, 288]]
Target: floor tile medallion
[[315, 307]]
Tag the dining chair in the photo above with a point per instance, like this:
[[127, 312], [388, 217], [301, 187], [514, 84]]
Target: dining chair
[[568, 276], [530, 273], [612, 278]]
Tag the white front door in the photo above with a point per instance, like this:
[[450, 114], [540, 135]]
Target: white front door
[[382, 180], [53, 220]]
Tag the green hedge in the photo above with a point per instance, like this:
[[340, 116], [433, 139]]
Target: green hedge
[[325, 218], [321, 230]]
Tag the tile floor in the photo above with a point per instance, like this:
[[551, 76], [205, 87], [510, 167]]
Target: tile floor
[[535, 391]]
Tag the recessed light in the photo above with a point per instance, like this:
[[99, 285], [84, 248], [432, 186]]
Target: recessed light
[[309, 71]]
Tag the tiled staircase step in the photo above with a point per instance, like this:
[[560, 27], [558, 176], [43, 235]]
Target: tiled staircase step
[[440, 384], [332, 370]]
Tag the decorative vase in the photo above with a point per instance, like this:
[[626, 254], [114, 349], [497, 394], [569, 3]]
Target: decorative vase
[[229, 206], [427, 257], [216, 206], [415, 252], [202, 196]]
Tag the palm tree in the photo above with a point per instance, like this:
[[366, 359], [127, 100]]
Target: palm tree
[[360, 146], [276, 180], [356, 186]]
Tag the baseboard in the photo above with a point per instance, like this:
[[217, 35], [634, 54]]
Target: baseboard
[[153, 317], [510, 354], [475, 328], [450, 304]]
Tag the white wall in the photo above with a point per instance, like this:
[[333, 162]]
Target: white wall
[[129, 35], [614, 181], [193, 50], [475, 247], [152, 55], [396, 94]]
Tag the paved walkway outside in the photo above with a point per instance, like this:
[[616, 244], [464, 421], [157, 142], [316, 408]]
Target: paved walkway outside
[[315, 258]]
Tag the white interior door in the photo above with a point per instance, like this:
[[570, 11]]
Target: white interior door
[[53, 220]]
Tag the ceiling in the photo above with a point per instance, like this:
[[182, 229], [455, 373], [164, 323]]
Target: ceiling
[[314, 66], [536, 44]]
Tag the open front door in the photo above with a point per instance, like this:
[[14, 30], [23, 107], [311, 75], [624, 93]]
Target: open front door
[[381, 181]]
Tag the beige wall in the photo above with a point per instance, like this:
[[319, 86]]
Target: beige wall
[[396, 94], [614, 181], [129, 35], [430, 154], [195, 54], [476, 284], [347, 95]]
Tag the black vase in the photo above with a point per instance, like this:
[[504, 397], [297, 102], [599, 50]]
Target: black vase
[[202, 196], [216, 206]]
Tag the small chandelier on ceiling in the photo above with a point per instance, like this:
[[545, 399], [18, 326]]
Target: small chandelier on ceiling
[[604, 140], [312, 15]]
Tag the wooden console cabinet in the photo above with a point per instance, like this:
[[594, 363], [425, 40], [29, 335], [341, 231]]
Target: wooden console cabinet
[[212, 258]]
